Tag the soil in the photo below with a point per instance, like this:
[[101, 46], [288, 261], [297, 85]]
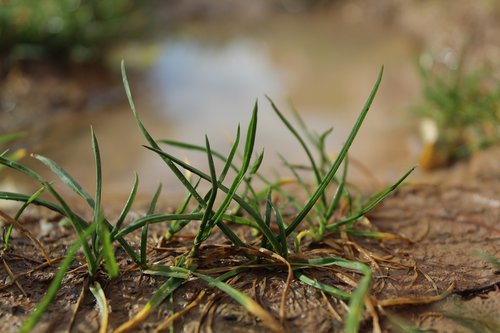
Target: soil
[[443, 227], [449, 216]]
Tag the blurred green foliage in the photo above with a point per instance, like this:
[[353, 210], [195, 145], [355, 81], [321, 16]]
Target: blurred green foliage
[[463, 103], [78, 28]]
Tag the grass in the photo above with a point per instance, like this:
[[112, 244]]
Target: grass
[[79, 30], [234, 206], [460, 111]]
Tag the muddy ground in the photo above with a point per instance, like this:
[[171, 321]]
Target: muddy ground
[[448, 225], [449, 215]]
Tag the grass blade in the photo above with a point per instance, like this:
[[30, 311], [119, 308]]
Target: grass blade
[[98, 214], [126, 208], [229, 159], [16, 166], [56, 282], [156, 218], [300, 140], [9, 229], [11, 137], [78, 224], [373, 201], [267, 216], [178, 225], [152, 142], [66, 178], [163, 292], [205, 225], [108, 253], [247, 155], [322, 286], [249, 209], [144, 232], [248, 303], [343, 152], [356, 304], [282, 231]]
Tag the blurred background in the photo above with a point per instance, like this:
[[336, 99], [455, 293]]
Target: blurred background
[[197, 67]]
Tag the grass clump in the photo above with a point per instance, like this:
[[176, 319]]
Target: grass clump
[[460, 111], [69, 28], [254, 221]]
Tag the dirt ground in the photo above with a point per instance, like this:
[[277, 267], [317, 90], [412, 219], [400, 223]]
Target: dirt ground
[[448, 225], [450, 216]]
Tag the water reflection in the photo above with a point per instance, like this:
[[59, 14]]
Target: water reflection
[[198, 84]]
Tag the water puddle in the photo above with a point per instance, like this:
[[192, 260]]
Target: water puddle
[[207, 83]]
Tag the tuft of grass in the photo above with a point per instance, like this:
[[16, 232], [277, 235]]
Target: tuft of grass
[[459, 111], [232, 204], [78, 30]]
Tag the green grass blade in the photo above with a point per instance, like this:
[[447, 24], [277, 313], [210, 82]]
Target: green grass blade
[[15, 156], [338, 193], [127, 207], [357, 302], [321, 145], [296, 175], [335, 201], [200, 148], [12, 137], [154, 200], [267, 217], [322, 286], [98, 217], [156, 218], [178, 225], [248, 303], [299, 139], [56, 282], [282, 232], [108, 254], [98, 178], [247, 155], [343, 152], [145, 228], [256, 165], [205, 226], [231, 194], [489, 258], [152, 142], [78, 224], [66, 178], [163, 292], [229, 159], [18, 167], [249, 209], [30, 200], [374, 201], [240, 220]]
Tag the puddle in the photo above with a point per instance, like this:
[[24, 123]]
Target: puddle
[[206, 80]]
